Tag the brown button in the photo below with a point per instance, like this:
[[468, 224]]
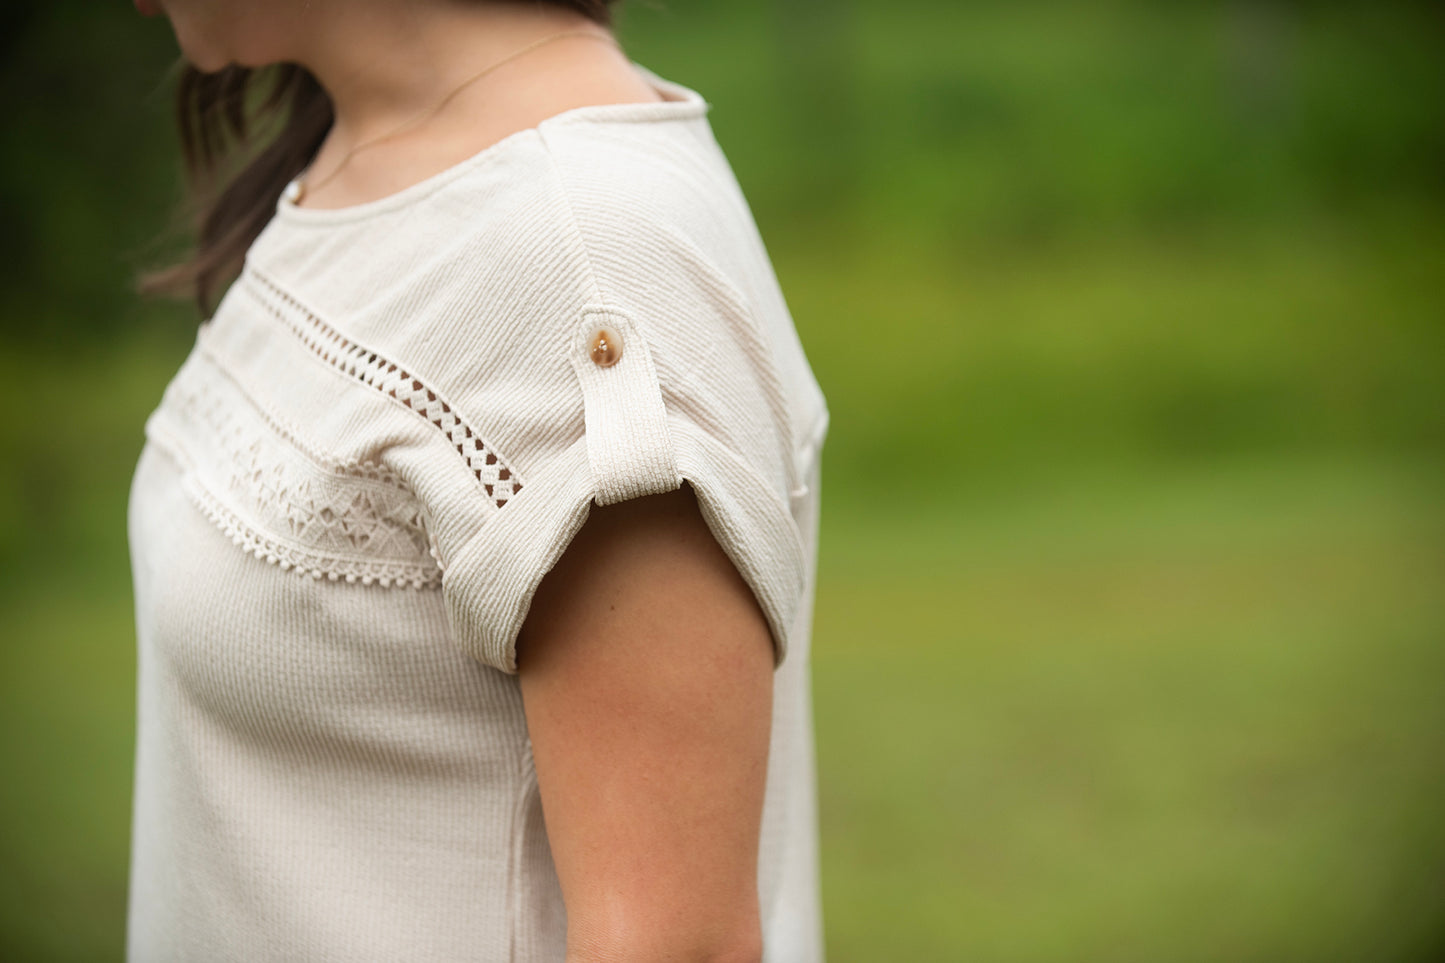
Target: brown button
[[606, 347]]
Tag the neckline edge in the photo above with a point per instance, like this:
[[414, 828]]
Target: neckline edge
[[685, 103]]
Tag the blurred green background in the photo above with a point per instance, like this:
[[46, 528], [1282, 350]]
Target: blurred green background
[[1131, 316]]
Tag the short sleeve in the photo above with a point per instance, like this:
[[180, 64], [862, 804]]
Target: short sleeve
[[663, 395]]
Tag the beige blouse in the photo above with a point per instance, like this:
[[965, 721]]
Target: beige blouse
[[385, 436]]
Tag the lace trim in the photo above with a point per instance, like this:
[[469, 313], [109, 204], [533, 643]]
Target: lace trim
[[332, 517], [495, 476]]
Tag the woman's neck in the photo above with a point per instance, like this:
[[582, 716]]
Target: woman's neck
[[386, 63], [382, 63]]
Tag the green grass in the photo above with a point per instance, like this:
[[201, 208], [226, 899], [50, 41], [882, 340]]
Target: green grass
[[67, 706], [1195, 718]]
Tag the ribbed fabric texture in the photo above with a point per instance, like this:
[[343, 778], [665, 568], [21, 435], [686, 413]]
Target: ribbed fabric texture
[[389, 431]]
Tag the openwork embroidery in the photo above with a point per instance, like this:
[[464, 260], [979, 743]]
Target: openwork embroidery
[[366, 526], [496, 478]]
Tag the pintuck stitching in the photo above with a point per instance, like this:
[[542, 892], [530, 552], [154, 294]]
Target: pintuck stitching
[[372, 470], [496, 477], [361, 526]]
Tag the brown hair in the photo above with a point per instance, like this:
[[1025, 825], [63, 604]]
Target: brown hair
[[277, 115]]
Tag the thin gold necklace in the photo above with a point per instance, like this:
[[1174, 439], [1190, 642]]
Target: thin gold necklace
[[299, 186]]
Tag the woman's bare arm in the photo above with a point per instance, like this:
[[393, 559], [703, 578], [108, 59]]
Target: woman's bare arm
[[646, 670]]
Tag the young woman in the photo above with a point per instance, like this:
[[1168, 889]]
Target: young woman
[[474, 540]]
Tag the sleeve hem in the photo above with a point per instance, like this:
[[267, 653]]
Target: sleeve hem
[[490, 582]]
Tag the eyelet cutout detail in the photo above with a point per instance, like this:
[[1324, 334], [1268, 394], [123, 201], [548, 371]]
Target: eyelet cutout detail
[[497, 478], [327, 520]]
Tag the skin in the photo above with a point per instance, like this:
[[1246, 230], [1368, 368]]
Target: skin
[[383, 62], [646, 672], [645, 664]]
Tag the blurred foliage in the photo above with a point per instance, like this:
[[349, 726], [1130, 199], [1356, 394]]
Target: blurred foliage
[[1131, 318], [89, 167]]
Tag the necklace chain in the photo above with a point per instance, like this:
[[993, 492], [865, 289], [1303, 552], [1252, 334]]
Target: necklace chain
[[301, 186]]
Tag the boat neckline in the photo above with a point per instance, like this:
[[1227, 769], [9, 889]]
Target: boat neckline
[[680, 103]]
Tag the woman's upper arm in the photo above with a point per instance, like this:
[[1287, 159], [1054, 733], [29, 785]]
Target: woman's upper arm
[[646, 670]]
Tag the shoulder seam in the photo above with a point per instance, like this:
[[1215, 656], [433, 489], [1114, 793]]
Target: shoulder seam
[[564, 190], [739, 301]]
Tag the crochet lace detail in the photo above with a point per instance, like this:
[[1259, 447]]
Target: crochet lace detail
[[496, 477], [351, 522]]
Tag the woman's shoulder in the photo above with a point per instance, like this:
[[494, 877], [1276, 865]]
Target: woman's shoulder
[[604, 196], [636, 191], [623, 215]]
